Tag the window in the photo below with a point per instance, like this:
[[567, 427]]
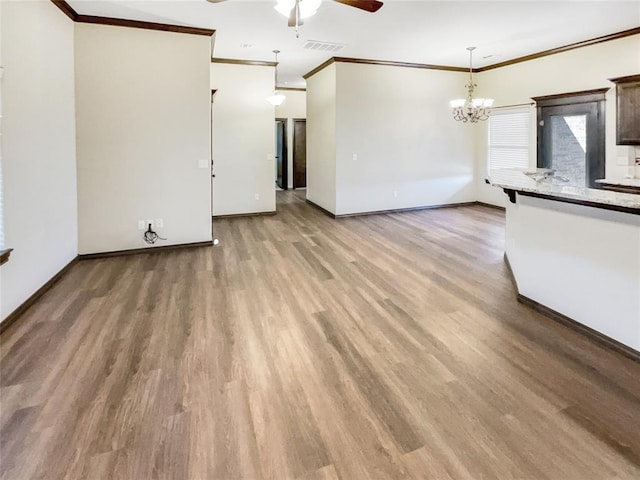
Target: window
[[509, 140], [571, 136]]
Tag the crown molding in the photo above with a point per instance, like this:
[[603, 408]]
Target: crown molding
[[235, 61], [119, 22], [365, 61], [66, 9], [163, 27], [320, 67], [565, 48], [533, 56], [425, 66], [73, 15], [291, 89]]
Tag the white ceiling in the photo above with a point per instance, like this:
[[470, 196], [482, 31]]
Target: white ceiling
[[434, 32]]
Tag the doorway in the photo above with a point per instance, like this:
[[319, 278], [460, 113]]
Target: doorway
[[299, 153], [211, 150], [282, 177], [571, 136]]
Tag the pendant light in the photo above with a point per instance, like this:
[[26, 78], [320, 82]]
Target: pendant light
[[277, 98], [471, 109]]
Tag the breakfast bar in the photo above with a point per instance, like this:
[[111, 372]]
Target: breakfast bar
[[575, 252]]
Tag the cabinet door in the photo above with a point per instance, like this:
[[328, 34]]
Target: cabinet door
[[628, 117]]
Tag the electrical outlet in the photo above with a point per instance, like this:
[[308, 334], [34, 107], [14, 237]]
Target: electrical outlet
[[355, 157], [257, 196], [141, 225], [159, 223]]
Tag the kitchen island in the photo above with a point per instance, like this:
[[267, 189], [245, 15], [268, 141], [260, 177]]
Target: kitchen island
[[575, 254]]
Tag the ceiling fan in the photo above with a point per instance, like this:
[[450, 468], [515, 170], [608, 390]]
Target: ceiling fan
[[297, 7]]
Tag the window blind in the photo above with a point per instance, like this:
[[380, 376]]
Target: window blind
[[509, 140]]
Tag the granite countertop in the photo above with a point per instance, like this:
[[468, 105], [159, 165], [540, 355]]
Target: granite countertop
[[517, 180], [624, 182]]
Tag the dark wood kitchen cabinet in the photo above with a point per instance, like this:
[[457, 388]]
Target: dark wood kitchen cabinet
[[628, 110]]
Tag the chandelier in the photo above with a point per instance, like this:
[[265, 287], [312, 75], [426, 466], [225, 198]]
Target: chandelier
[[277, 98], [471, 109]]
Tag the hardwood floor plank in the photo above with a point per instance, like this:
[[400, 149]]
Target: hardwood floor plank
[[306, 348]]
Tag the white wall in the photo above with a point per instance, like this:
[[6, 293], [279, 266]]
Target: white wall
[[294, 106], [143, 112], [1, 181], [321, 138], [580, 69], [410, 153], [243, 139], [39, 156]]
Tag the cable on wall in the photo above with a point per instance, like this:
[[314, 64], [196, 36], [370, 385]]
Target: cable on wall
[[151, 237]]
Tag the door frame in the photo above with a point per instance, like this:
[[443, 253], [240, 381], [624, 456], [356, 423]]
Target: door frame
[[285, 152], [293, 159], [590, 103], [211, 150]]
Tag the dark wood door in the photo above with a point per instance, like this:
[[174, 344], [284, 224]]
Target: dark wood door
[[299, 153], [281, 153], [572, 142], [571, 136]]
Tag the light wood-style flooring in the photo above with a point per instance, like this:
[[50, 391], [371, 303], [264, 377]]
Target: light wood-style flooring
[[302, 347]]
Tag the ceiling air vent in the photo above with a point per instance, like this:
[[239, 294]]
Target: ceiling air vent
[[323, 46]]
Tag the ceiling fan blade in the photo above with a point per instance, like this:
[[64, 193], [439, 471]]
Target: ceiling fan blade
[[367, 5]]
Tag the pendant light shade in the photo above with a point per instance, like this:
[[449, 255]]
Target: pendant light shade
[[276, 99]]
